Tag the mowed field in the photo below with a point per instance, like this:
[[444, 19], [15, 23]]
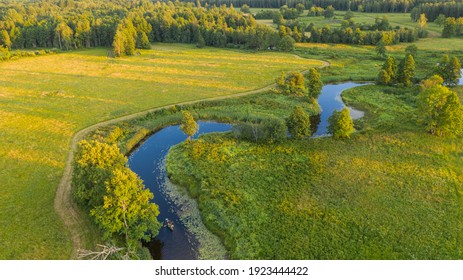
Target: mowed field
[[45, 100]]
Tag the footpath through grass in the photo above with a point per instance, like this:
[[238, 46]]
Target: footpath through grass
[[45, 100], [391, 192]]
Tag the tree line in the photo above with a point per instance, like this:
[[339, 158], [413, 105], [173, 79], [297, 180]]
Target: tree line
[[370, 6], [433, 10], [126, 25], [452, 27]]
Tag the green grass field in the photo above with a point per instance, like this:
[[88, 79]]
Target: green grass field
[[391, 192], [45, 100], [395, 19]]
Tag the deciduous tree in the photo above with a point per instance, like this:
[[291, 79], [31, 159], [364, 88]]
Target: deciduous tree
[[314, 83], [292, 83], [440, 110], [127, 210], [406, 72], [299, 123], [188, 125], [340, 124]]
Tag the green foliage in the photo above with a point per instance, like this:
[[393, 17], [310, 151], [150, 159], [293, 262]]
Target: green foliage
[[143, 41], [412, 49], [135, 139], [188, 125], [5, 39], [381, 49], [286, 44], [201, 43], [341, 125], [64, 34], [449, 69], [440, 110], [440, 20], [329, 12], [127, 210], [292, 83], [126, 38], [314, 83], [387, 75], [452, 27], [261, 131], [348, 15], [299, 123], [114, 195], [406, 71], [431, 82], [92, 166], [245, 9]]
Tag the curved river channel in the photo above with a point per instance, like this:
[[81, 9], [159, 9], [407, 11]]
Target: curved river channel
[[190, 239], [189, 234]]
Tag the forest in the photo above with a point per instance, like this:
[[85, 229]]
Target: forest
[[370, 6], [78, 24]]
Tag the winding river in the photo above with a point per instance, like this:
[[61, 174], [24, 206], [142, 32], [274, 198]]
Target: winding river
[[190, 239]]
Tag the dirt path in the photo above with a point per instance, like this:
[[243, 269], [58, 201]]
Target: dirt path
[[66, 208]]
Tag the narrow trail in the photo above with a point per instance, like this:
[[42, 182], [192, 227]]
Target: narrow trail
[[66, 208]]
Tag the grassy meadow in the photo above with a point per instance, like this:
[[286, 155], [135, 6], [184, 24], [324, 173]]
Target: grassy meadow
[[395, 19], [390, 192], [45, 100]]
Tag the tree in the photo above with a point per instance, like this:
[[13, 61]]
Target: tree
[[127, 210], [5, 39], [406, 72], [348, 15], [188, 125], [440, 20], [412, 49], [143, 41], [293, 83], [440, 110], [422, 21], [387, 74], [64, 34], [329, 12], [381, 48], [299, 123], [450, 28], [449, 69], [454, 71], [93, 163], [429, 83], [314, 83], [341, 124], [245, 9], [201, 43], [384, 78], [300, 8], [286, 44], [118, 43]]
